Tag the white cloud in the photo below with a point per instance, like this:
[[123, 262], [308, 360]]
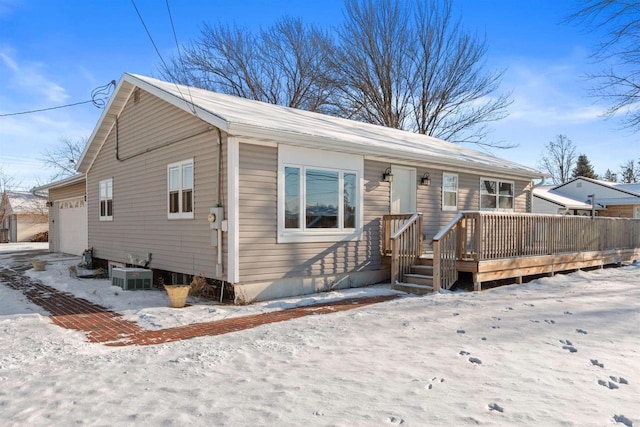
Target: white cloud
[[30, 77]]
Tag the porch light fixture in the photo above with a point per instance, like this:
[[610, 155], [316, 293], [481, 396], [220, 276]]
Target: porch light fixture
[[425, 180], [387, 176]]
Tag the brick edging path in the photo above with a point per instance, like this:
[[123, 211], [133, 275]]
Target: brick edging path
[[109, 328]]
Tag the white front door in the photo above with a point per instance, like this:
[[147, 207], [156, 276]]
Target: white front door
[[403, 190]]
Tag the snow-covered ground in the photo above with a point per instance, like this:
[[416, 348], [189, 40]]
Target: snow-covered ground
[[561, 351]]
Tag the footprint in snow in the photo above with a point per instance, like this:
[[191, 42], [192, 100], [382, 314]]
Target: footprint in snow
[[528, 305], [596, 363], [568, 345], [456, 314], [568, 313], [483, 338], [623, 420], [495, 327], [496, 318], [460, 331], [509, 308], [618, 380], [534, 321], [475, 360], [464, 353], [434, 380], [581, 331], [495, 407], [610, 385], [550, 322], [395, 420]]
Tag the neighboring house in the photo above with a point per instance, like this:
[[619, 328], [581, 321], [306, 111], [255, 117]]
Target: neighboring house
[[67, 215], [574, 198], [23, 215], [271, 200]]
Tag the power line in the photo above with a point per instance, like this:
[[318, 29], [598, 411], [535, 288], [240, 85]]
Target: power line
[[156, 48], [175, 37], [46, 109], [98, 98]]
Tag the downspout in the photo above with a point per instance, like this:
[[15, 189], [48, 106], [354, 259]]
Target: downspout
[[219, 204], [117, 140]]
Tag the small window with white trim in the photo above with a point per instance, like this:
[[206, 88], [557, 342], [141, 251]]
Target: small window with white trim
[[449, 191], [106, 200], [319, 195], [180, 190], [496, 194]]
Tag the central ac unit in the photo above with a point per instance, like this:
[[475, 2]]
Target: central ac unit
[[132, 279]]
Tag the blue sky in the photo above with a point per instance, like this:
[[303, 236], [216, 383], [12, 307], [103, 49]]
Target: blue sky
[[57, 52]]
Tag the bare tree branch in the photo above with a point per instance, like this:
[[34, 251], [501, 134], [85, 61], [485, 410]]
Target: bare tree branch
[[559, 159], [64, 158]]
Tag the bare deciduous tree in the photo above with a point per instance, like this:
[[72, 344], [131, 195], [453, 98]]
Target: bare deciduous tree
[[630, 172], [64, 158], [619, 82], [412, 66], [7, 184], [559, 159], [285, 64]]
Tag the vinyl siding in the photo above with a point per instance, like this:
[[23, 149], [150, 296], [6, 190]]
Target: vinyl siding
[[429, 198], [262, 258], [140, 224], [68, 192]]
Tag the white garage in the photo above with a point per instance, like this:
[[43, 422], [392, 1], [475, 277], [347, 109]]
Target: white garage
[[68, 228], [71, 230]]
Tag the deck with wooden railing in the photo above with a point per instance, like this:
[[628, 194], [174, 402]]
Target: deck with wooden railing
[[495, 246]]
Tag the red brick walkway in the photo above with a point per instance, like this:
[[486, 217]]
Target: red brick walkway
[[109, 328]]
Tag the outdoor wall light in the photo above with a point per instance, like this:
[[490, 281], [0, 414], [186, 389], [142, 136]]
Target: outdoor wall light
[[387, 176], [425, 180]]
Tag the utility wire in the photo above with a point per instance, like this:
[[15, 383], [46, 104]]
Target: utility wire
[[175, 37], [98, 98], [46, 109], [156, 48]]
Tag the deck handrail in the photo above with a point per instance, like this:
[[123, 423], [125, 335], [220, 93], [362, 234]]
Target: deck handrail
[[482, 236], [391, 223], [406, 247]]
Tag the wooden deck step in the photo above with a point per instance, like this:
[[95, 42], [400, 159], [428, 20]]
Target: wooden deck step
[[418, 279], [412, 288], [425, 270]]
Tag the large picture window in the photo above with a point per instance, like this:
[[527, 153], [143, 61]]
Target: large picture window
[[319, 201], [106, 199], [449, 192], [180, 189], [496, 195]]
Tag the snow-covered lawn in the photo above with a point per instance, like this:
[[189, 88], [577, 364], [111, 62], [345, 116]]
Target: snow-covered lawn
[[561, 351]]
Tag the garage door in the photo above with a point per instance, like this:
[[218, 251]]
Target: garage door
[[71, 232]]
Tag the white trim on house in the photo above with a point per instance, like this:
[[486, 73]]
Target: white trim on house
[[105, 196], [457, 191], [233, 210], [305, 159], [181, 213]]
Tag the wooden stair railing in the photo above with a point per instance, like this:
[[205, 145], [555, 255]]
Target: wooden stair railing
[[406, 247], [447, 248]]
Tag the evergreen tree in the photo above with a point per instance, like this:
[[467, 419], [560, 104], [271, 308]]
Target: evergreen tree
[[583, 168]]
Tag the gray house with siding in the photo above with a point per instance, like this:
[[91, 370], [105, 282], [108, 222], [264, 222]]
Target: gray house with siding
[[270, 200]]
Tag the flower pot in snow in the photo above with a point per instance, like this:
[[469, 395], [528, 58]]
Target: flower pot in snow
[[177, 295], [38, 265]]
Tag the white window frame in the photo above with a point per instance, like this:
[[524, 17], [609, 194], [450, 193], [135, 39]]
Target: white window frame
[[106, 184], [180, 214], [498, 182], [305, 159], [457, 192], [636, 212]]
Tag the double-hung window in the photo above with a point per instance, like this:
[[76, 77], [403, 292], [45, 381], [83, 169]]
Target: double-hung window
[[180, 189], [449, 191], [320, 198], [106, 200], [496, 194]]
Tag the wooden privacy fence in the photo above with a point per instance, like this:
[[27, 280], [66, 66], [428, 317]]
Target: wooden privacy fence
[[403, 235], [481, 236]]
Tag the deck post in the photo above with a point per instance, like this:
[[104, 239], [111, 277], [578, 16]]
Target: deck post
[[519, 280], [436, 266]]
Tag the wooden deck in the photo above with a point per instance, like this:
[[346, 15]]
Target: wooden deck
[[494, 246]]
